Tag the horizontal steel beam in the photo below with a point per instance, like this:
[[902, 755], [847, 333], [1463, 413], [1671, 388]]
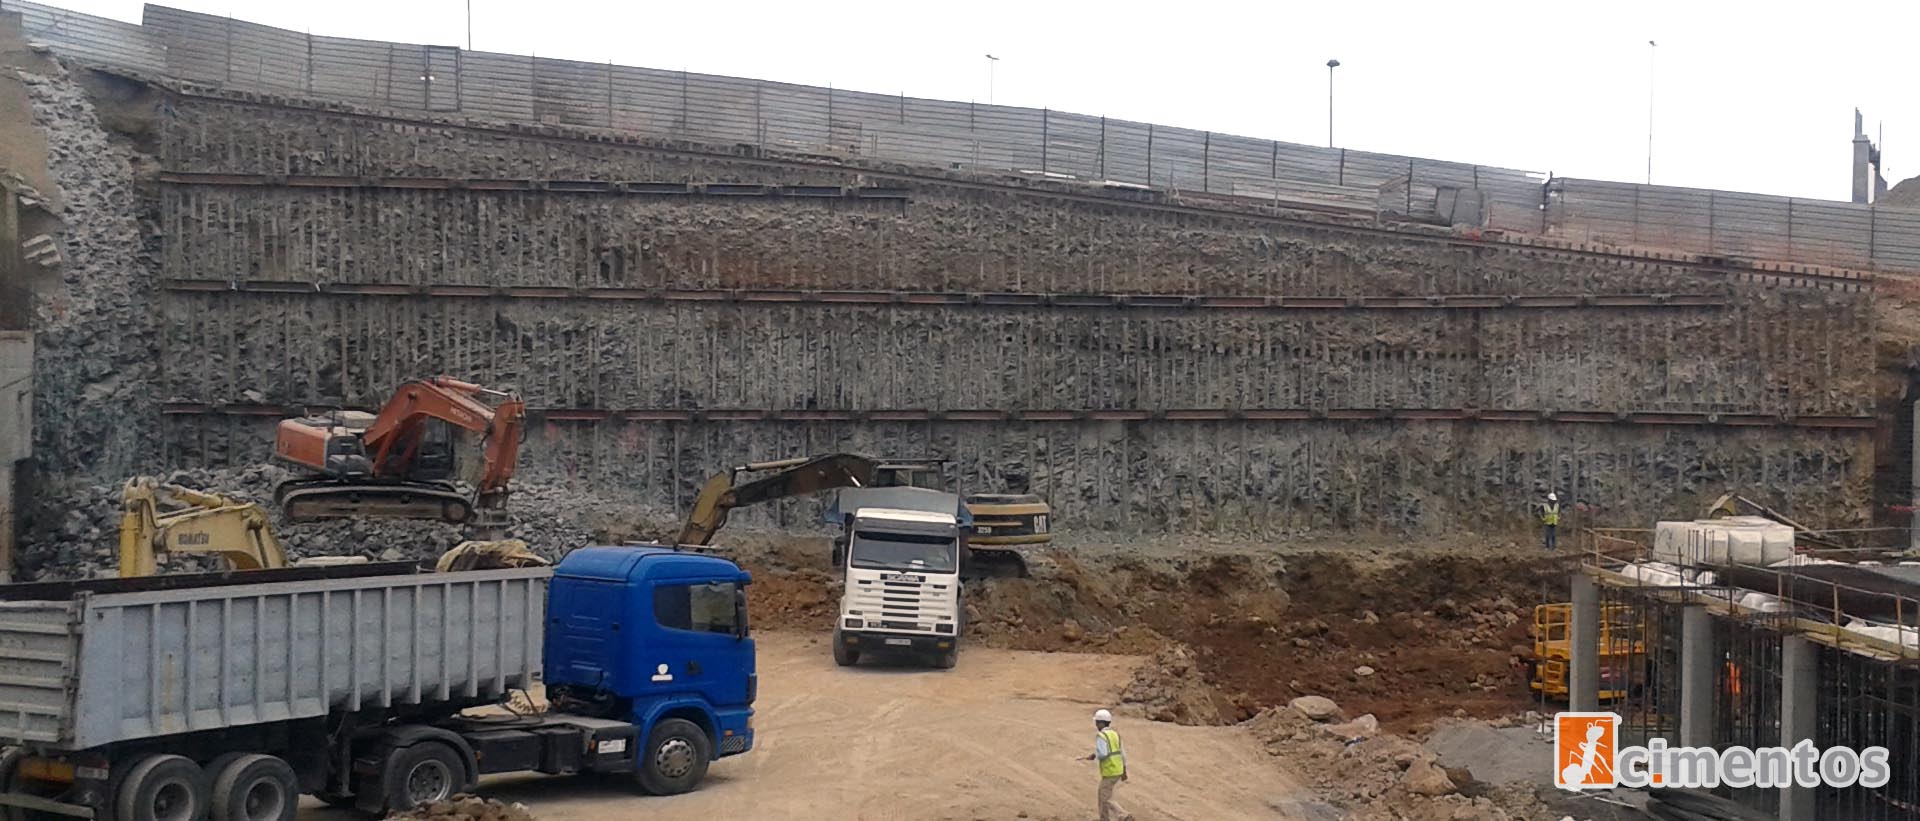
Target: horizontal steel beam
[[991, 299], [622, 187], [1165, 414]]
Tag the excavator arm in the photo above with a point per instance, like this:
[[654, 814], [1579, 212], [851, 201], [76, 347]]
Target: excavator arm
[[209, 525], [791, 477], [393, 440]]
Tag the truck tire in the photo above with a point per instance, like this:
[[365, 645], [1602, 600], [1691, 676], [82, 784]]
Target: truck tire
[[425, 772], [161, 787], [677, 755], [254, 787], [844, 655], [946, 660]]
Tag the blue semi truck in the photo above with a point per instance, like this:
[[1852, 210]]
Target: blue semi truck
[[229, 695]]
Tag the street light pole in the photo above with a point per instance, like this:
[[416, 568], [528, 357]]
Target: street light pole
[[990, 61], [1331, 65], [1652, 49]]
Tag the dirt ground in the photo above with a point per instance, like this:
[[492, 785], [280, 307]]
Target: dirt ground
[[997, 737]]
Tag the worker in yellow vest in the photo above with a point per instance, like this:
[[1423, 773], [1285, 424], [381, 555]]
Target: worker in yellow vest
[[1113, 763], [1550, 520]]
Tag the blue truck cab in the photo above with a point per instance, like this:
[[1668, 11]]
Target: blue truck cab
[[657, 638]]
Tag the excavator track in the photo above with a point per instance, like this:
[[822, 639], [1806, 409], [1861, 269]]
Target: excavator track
[[317, 499]]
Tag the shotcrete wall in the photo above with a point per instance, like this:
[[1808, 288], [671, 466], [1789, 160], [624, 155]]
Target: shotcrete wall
[[668, 310]]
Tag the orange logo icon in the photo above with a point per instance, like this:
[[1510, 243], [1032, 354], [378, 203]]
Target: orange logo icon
[[1583, 748]]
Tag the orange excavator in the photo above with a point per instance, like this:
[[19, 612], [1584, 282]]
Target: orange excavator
[[402, 461]]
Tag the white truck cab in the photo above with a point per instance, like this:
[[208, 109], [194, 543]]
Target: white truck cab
[[903, 594]]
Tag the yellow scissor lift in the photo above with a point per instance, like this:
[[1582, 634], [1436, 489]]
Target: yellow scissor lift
[[1623, 649]]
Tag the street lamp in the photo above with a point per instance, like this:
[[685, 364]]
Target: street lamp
[[1331, 65], [990, 61], [1652, 49]]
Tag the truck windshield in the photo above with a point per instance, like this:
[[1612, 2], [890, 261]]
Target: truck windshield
[[877, 550]]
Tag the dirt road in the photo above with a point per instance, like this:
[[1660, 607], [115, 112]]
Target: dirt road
[[994, 738]]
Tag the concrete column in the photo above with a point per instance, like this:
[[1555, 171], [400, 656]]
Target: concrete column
[[1698, 661], [1799, 691], [1583, 646]]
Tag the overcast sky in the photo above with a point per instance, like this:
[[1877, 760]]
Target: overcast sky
[[1750, 96]]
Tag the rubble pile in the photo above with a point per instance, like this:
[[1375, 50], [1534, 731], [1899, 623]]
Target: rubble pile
[[1170, 687], [1375, 776], [465, 807], [74, 535]]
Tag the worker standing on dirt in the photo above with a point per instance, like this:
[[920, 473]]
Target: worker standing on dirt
[[1550, 521], [1113, 764]]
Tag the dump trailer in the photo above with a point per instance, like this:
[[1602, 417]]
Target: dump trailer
[[229, 695]]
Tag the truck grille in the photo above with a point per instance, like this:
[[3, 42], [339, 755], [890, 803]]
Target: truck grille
[[898, 605]]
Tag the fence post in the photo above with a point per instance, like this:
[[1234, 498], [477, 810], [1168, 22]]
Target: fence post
[[1044, 117], [227, 60], [1713, 225], [1149, 155], [1103, 148], [1206, 162]]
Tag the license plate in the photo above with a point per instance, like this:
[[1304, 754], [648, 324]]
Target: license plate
[[902, 577], [901, 642]]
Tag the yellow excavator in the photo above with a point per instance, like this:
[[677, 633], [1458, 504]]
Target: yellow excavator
[[241, 536], [208, 525]]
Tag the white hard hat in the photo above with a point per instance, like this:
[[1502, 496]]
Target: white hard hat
[[1553, 497], [1102, 715]]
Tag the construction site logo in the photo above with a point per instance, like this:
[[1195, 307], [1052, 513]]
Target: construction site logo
[[1587, 755], [1583, 745]]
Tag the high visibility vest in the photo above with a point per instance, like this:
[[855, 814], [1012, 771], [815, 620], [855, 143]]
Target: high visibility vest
[[1550, 513], [1114, 764]]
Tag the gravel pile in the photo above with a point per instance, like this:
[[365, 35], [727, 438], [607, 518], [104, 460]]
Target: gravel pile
[[73, 534], [466, 808]]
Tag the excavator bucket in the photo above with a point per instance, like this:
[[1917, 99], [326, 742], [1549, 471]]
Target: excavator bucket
[[488, 555]]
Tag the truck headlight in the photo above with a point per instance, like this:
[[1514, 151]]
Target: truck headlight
[[855, 624], [945, 628]]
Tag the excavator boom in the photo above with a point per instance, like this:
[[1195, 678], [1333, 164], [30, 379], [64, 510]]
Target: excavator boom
[[400, 461], [791, 477]]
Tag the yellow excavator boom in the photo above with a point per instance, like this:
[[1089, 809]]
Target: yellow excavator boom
[[792, 477], [208, 525]]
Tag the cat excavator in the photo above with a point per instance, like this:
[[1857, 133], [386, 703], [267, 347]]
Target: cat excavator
[[401, 462]]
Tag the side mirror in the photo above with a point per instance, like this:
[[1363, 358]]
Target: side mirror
[[739, 614]]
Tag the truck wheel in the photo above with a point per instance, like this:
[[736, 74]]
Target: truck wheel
[[843, 654], [947, 659], [161, 788], [425, 772], [254, 787], [677, 755]]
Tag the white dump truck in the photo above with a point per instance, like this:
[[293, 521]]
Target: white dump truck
[[902, 573]]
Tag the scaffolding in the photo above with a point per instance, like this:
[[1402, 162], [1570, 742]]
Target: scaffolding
[[1868, 678]]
